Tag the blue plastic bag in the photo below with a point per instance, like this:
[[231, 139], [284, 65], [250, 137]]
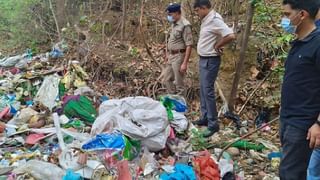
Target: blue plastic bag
[[71, 175], [181, 172], [56, 53], [178, 102], [179, 106], [114, 141]]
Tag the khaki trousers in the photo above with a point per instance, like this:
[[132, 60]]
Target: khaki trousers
[[173, 79]]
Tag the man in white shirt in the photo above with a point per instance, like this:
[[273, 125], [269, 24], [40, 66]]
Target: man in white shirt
[[214, 35]]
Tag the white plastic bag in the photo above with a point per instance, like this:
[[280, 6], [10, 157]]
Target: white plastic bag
[[179, 122], [19, 61], [225, 166], [84, 91], [140, 118], [23, 117], [158, 142], [148, 163], [40, 170], [49, 91]]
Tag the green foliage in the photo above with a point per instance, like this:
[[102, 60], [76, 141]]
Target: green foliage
[[84, 20], [274, 40], [198, 141], [134, 52], [264, 13], [255, 2], [16, 25]]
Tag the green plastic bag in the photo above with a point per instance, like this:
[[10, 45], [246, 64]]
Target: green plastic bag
[[132, 148], [62, 90], [82, 109], [169, 105], [75, 124]]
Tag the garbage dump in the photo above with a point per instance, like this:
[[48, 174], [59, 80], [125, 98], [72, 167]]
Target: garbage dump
[[53, 125]]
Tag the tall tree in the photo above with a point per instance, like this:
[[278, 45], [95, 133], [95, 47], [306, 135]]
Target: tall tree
[[244, 47], [61, 12]]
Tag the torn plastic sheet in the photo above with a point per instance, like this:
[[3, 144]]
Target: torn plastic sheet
[[49, 91], [40, 170]]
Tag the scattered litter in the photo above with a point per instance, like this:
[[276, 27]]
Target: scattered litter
[[206, 167], [49, 91], [247, 145], [79, 107], [71, 175], [181, 171], [56, 126], [40, 170]]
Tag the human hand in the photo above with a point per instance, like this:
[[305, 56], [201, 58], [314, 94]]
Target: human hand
[[183, 68], [314, 136], [218, 49]]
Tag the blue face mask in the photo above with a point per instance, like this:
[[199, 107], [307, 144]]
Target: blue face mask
[[170, 19], [287, 25]]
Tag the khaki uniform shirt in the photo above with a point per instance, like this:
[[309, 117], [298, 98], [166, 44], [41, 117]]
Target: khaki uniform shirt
[[181, 35], [213, 28]]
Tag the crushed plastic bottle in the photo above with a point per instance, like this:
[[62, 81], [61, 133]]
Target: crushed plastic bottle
[[248, 146]]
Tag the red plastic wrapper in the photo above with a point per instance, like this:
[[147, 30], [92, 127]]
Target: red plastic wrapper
[[205, 167]]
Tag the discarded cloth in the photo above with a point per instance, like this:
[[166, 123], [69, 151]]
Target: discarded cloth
[[80, 108]]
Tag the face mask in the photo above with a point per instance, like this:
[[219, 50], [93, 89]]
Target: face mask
[[170, 19], [287, 25]]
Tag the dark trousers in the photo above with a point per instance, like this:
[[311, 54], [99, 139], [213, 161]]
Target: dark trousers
[[209, 68], [296, 153]]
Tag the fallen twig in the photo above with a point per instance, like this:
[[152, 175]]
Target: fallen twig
[[245, 136], [154, 90], [254, 91]]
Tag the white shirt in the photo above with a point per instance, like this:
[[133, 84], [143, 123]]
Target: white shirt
[[213, 28]]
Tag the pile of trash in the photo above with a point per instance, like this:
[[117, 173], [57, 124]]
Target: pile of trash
[[54, 126]]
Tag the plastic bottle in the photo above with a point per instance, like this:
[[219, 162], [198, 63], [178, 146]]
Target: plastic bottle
[[247, 145], [274, 155]]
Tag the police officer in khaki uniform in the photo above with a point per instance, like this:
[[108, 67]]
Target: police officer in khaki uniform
[[178, 50]]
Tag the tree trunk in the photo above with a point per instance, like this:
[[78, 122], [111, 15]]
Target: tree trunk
[[236, 9], [124, 17], [244, 47], [61, 13], [55, 20]]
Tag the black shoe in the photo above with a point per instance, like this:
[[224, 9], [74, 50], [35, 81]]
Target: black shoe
[[200, 122], [210, 131]]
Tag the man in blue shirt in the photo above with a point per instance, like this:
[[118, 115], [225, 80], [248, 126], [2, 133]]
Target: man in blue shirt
[[318, 19], [300, 95]]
